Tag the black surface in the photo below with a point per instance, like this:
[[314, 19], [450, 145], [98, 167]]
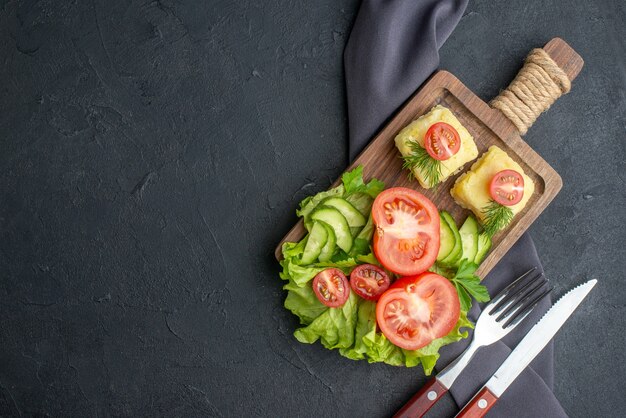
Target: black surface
[[152, 155]]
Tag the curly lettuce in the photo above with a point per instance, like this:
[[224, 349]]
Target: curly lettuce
[[352, 329]]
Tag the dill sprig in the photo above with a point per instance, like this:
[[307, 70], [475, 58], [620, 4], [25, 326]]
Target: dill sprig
[[497, 217], [420, 159]]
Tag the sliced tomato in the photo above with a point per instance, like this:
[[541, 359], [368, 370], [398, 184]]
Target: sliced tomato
[[507, 187], [442, 141], [417, 310], [406, 239], [331, 287], [369, 281]]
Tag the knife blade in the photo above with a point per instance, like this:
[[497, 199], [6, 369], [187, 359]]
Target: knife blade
[[537, 338]]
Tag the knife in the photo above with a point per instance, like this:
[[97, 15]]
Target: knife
[[531, 345]]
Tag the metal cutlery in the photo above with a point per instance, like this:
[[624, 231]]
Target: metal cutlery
[[497, 319], [531, 345]]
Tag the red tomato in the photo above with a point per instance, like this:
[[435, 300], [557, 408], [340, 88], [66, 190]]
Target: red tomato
[[406, 239], [507, 187], [331, 287], [417, 310], [369, 281], [442, 141]]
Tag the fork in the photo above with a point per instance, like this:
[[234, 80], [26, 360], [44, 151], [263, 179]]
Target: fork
[[497, 319]]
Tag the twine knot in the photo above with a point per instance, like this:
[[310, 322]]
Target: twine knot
[[538, 84]]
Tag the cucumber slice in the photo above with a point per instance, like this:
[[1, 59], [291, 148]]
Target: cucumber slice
[[361, 202], [367, 231], [362, 241], [457, 250], [484, 245], [354, 231], [331, 243], [446, 240], [338, 223], [352, 215], [469, 239], [314, 244]]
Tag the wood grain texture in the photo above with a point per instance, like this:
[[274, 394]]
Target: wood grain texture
[[423, 400], [480, 404], [488, 126]]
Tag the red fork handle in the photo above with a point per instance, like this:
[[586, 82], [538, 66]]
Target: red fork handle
[[479, 405], [423, 400]]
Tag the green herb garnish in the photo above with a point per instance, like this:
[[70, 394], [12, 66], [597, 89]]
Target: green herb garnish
[[497, 217], [467, 284], [420, 159]]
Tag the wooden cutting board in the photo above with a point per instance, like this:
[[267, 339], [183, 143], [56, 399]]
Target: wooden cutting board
[[488, 126]]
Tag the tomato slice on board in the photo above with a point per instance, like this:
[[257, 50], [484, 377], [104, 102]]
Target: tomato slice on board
[[331, 287], [442, 141], [369, 281], [406, 239], [507, 187], [417, 310]]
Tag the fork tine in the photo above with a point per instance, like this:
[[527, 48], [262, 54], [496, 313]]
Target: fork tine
[[495, 301], [510, 286], [522, 296], [513, 293], [525, 311]]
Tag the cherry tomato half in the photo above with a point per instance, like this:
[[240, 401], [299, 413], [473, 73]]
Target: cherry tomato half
[[331, 287], [406, 238], [442, 141], [417, 310], [507, 187], [369, 281]]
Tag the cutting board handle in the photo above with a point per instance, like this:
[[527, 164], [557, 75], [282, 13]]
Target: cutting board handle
[[546, 75]]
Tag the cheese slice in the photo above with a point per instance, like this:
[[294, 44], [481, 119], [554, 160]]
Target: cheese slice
[[471, 189], [416, 130]]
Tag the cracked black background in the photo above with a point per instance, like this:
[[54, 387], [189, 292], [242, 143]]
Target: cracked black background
[[152, 155]]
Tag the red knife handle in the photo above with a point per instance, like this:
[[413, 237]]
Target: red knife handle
[[479, 405], [423, 400]]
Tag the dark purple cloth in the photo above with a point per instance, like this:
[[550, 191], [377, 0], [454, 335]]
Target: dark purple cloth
[[392, 50]]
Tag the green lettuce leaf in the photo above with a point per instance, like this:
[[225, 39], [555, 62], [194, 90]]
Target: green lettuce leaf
[[303, 303], [310, 203], [334, 327], [300, 275], [363, 326], [293, 249], [368, 259], [369, 343]]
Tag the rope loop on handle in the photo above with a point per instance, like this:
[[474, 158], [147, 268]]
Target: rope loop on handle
[[538, 84]]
